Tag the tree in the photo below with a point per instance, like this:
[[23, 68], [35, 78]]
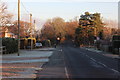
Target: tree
[[98, 24], [90, 25], [5, 17], [53, 28], [110, 28], [48, 30], [79, 37], [24, 28], [70, 28], [101, 35], [59, 26]]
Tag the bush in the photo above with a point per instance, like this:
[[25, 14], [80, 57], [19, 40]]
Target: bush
[[11, 44]]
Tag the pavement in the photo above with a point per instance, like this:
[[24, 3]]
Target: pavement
[[25, 65]]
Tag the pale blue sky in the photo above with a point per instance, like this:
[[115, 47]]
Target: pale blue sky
[[69, 10], [65, 9]]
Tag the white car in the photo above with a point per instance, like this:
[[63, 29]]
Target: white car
[[38, 44]]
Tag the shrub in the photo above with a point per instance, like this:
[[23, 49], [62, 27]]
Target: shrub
[[11, 44]]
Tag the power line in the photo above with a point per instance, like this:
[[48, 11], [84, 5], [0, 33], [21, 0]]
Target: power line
[[14, 8], [25, 8]]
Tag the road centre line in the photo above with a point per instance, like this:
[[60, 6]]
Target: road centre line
[[66, 71]]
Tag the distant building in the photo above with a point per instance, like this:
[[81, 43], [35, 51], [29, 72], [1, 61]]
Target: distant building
[[5, 33]]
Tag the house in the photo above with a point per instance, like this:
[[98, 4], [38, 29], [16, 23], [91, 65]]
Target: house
[[4, 32]]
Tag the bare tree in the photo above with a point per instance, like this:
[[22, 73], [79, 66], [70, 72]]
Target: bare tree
[[70, 28], [110, 28], [59, 26], [5, 17], [24, 28]]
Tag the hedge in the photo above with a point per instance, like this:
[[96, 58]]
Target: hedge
[[11, 45]]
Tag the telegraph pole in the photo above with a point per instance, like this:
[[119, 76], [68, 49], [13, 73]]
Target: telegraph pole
[[31, 30], [18, 27], [34, 27]]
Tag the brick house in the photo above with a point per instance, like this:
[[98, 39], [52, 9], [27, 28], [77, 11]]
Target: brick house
[[4, 32]]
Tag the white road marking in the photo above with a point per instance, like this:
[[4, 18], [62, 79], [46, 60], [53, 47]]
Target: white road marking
[[60, 50], [101, 63], [93, 59], [115, 71], [66, 73], [94, 50]]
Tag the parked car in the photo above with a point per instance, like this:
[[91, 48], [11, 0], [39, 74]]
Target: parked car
[[38, 44]]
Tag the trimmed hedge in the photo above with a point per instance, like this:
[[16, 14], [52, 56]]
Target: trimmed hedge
[[11, 45]]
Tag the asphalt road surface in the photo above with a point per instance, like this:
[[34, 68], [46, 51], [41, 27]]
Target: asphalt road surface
[[71, 63]]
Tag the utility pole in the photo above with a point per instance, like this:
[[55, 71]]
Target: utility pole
[[34, 27], [18, 27], [31, 30]]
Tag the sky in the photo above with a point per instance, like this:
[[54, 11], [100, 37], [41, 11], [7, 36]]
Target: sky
[[66, 9]]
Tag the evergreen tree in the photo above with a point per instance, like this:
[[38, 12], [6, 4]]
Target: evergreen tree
[[90, 25]]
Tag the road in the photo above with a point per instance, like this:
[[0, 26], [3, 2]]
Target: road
[[70, 63]]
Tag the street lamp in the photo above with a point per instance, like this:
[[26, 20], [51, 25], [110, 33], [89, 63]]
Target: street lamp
[[58, 38]]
